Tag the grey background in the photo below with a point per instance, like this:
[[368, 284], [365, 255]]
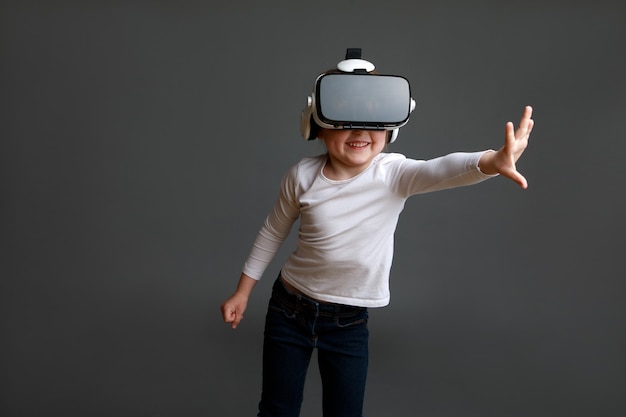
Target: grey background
[[142, 144]]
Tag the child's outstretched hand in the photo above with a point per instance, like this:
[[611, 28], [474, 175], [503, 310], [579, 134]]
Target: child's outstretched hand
[[515, 142]]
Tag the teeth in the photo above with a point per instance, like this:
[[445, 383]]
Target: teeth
[[358, 144]]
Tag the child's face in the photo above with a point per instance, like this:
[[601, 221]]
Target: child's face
[[351, 151]]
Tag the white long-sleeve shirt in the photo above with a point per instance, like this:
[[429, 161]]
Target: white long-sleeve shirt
[[345, 241]]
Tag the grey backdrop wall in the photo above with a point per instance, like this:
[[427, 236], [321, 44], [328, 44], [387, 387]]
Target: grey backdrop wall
[[142, 144]]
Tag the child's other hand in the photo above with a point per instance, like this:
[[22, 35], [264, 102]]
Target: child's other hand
[[515, 142], [233, 309]]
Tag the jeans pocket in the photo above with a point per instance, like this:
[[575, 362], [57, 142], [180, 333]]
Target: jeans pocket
[[278, 307], [358, 318]]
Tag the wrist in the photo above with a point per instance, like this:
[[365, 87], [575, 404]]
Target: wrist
[[486, 163], [245, 286]]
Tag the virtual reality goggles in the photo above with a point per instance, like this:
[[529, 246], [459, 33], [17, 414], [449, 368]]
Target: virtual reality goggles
[[355, 98]]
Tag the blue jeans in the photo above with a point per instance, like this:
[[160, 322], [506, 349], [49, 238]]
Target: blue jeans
[[294, 326]]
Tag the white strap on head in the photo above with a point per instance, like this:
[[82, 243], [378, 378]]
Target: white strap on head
[[350, 65], [353, 62]]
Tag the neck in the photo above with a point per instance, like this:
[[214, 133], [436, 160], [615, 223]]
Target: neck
[[334, 170]]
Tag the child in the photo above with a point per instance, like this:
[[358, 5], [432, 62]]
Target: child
[[348, 201]]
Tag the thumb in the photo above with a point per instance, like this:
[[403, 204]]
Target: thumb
[[237, 316], [514, 175], [232, 315]]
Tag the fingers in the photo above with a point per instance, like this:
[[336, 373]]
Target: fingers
[[510, 131], [517, 140], [526, 115], [237, 317], [526, 123], [509, 139], [232, 315], [515, 143]]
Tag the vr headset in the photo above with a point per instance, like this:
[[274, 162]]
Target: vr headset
[[353, 97]]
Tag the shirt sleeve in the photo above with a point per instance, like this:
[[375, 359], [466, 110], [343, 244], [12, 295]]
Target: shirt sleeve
[[275, 229], [449, 171]]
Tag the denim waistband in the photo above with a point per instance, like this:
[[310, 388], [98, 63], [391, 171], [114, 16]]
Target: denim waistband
[[306, 305]]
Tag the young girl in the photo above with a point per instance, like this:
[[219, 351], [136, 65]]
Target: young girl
[[348, 201]]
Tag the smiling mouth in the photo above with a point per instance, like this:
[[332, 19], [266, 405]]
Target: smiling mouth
[[358, 144]]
